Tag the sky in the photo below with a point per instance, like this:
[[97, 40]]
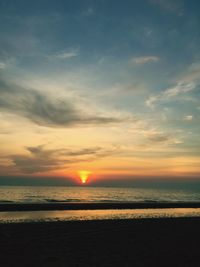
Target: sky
[[107, 87]]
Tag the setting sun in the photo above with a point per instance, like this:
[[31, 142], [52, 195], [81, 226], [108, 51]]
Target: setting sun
[[84, 176]]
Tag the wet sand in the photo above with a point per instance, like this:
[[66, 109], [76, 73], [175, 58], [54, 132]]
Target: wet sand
[[146, 242]]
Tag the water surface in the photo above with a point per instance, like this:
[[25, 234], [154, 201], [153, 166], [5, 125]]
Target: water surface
[[26, 194], [85, 215]]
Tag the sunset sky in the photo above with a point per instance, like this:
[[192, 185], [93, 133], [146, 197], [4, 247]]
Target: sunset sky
[[107, 87]]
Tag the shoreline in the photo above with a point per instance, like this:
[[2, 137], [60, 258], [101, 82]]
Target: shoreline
[[94, 206]]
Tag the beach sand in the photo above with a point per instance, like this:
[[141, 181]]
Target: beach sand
[[146, 242]]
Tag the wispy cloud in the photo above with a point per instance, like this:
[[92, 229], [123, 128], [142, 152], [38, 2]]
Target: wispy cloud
[[88, 12], [40, 159], [63, 55], [192, 74], [188, 118], [159, 137], [169, 93], [45, 110], [2, 65], [175, 6], [144, 59]]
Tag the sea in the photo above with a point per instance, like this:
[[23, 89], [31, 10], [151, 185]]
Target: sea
[[30, 194], [45, 194]]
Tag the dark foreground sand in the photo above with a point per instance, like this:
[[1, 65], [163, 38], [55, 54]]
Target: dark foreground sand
[[149, 242]]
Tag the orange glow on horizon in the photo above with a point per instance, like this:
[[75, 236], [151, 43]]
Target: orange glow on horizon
[[84, 175]]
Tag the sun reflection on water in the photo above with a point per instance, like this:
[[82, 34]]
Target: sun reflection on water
[[112, 214]]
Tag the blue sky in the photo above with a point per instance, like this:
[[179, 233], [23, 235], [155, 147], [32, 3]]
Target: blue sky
[[126, 74]]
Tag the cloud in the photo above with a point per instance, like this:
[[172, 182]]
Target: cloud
[[188, 118], [174, 6], [192, 73], [180, 88], [145, 59], [47, 111], [28, 164], [65, 54], [40, 159], [88, 12], [2, 65], [158, 137]]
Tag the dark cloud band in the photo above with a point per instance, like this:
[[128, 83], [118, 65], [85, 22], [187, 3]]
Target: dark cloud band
[[44, 110], [40, 159]]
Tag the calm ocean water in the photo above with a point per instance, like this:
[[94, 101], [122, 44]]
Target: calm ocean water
[[26, 194]]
